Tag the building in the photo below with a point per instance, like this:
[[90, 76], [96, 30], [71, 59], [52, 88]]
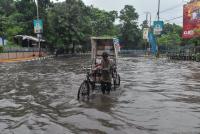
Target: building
[[28, 41]]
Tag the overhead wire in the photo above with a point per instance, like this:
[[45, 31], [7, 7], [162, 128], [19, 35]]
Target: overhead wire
[[171, 8], [175, 18]]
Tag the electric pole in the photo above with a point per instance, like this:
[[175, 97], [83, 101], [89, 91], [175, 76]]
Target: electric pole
[[158, 10]]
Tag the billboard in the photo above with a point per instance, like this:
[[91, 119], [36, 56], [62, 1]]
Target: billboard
[[191, 20], [38, 26], [158, 27]]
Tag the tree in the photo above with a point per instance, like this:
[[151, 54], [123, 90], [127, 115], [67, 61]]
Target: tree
[[3, 21], [77, 22], [69, 23], [65, 21], [27, 9], [130, 33], [102, 22], [169, 28], [144, 24], [170, 40], [7, 7], [171, 36]]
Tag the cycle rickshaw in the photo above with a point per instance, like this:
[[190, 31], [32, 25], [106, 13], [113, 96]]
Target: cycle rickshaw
[[92, 81]]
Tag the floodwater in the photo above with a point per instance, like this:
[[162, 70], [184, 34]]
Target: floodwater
[[157, 96]]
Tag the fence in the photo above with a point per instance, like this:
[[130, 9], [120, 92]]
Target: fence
[[14, 53], [132, 52]]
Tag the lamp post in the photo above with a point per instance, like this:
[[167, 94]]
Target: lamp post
[[157, 55], [38, 34]]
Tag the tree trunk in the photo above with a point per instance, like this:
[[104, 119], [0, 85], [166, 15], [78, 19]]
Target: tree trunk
[[3, 41]]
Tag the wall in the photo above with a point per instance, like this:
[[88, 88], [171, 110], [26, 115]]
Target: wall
[[16, 55]]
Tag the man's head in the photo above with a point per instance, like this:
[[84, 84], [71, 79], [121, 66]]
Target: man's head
[[105, 55]]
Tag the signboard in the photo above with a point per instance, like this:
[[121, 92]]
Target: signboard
[[145, 33], [191, 20], [38, 26], [158, 27]]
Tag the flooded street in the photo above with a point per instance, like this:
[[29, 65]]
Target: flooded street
[[156, 97]]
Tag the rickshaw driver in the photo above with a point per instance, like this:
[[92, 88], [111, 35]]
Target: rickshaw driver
[[106, 73]]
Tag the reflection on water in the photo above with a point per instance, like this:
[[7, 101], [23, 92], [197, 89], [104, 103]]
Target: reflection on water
[[156, 97]]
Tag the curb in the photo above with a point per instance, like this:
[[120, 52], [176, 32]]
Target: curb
[[40, 58], [28, 60]]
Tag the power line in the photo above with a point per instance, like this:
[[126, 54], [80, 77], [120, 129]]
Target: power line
[[168, 9], [175, 18], [171, 8]]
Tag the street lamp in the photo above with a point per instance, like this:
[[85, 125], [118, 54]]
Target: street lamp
[[36, 2], [38, 34]]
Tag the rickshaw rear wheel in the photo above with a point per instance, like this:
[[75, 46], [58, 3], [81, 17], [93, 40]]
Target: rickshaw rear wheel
[[84, 90]]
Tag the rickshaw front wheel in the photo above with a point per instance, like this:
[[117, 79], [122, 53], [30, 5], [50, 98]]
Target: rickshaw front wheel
[[84, 90]]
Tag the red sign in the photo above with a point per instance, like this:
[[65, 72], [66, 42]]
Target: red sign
[[191, 20]]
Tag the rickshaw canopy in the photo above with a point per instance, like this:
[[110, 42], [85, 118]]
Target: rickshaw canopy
[[104, 44]]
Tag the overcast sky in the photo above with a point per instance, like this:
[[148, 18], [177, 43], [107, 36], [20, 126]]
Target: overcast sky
[[142, 6]]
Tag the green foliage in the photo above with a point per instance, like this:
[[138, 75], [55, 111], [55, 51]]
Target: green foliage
[[194, 41], [128, 15], [7, 7], [170, 40], [172, 28], [197, 56], [3, 24], [1, 49], [171, 36], [130, 33], [144, 24], [102, 22], [77, 23], [68, 23], [68, 16], [10, 20]]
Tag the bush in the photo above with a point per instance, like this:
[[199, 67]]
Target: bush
[[1, 49], [11, 45], [198, 57]]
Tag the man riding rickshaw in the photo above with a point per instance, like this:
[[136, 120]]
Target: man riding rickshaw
[[103, 71]]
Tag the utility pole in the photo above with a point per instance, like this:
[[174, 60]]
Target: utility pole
[[158, 10], [37, 9], [157, 55]]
